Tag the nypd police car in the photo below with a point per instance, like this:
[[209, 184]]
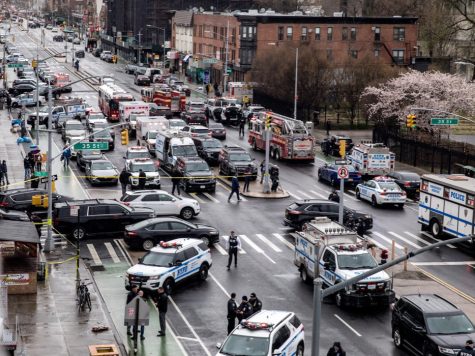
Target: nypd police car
[[266, 333], [169, 263], [381, 190], [148, 166]]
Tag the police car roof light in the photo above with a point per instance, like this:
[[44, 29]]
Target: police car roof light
[[164, 244], [256, 325]]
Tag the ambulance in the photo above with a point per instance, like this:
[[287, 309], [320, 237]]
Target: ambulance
[[372, 159], [132, 107]]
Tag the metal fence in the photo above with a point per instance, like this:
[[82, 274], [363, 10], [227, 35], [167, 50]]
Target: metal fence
[[426, 150]]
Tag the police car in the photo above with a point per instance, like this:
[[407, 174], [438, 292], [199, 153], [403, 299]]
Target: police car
[[147, 165], [381, 190], [136, 152], [169, 263], [266, 333]]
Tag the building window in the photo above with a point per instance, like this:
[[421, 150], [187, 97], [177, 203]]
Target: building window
[[377, 33], [399, 33], [329, 54], [233, 36], [246, 56], [200, 30], [344, 33], [398, 56], [290, 31], [215, 32], [280, 33], [200, 48], [330, 33], [194, 49], [377, 52], [303, 36], [244, 32], [353, 53], [353, 34], [233, 55], [317, 33]]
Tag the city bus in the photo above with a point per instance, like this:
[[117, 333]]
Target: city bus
[[110, 95]]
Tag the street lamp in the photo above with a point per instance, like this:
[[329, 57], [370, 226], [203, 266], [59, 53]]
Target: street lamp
[[164, 34], [226, 37]]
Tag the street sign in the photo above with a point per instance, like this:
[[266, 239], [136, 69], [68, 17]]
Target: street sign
[[210, 60], [74, 210], [444, 121], [341, 162], [41, 174], [54, 178], [15, 65], [131, 312], [103, 146], [229, 71], [343, 172]]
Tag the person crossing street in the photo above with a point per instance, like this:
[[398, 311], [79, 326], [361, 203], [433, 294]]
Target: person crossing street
[[162, 305], [124, 179], [234, 188], [233, 244]]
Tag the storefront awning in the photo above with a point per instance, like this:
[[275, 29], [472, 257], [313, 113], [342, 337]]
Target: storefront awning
[[18, 231]]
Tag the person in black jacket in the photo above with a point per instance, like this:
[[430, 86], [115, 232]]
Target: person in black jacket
[[232, 309], [467, 350], [142, 179], [336, 350], [130, 296], [244, 310], [176, 177], [255, 303], [124, 179], [162, 305]]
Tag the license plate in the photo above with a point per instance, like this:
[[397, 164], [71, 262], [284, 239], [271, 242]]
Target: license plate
[[417, 190], [202, 187], [350, 179], [372, 286]]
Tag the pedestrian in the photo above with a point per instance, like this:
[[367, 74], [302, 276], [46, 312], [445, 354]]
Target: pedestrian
[[66, 156], [124, 179], [5, 173], [162, 305], [76, 65], [176, 178], [1, 176], [34, 181], [234, 188], [9, 103], [27, 167], [263, 170], [242, 124], [244, 309], [142, 179], [142, 326], [328, 127], [247, 178], [255, 303], [130, 296], [232, 309], [207, 89], [233, 244], [336, 350], [38, 162], [467, 350]]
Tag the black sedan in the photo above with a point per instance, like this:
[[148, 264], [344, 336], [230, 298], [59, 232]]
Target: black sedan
[[408, 181], [217, 130], [142, 80], [146, 234], [21, 88], [83, 157]]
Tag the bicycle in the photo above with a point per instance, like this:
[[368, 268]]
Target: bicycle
[[84, 298]]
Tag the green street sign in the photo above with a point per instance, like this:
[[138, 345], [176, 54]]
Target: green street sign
[[15, 65], [103, 146], [210, 60], [41, 174], [444, 121], [230, 71]]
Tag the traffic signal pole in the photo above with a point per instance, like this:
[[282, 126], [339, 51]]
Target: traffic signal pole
[[342, 151]]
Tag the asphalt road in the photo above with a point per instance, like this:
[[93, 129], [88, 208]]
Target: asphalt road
[[266, 267]]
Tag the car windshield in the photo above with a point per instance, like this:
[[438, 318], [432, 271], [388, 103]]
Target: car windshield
[[137, 154], [212, 144], [96, 116], [102, 134], [177, 123], [196, 166], [102, 165], [197, 106], [74, 126], [199, 130], [449, 324], [152, 134], [356, 261], [389, 185], [410, 176], [297, 127], [92, 153], [246, 346], [216, 126], [158, 259], [184, 151], [240, 157], [148, 167]]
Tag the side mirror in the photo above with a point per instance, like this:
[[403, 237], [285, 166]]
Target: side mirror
[[173, 199], [326, 265], [178, 263], [124, 157], [188, 230], [218, 345], [140, 259]]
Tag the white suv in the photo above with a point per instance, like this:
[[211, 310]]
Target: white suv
[[136, 152], [269, 333], [169, 263], [163, 203]]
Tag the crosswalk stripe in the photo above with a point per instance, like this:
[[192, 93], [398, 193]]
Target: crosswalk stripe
[[94, 255], [433, 238], [225, 187], [268, 242], [111, 251], [417, 238], [294, 195], [351, 191], [404, 239], [282, 239], [195, 196], [377, 243], [255, 247], [241, 251], [210, 197], [304, 194], [389, 241], [320, 195], [220, 249]]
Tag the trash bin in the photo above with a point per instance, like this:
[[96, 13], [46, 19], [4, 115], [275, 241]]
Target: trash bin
[[41, 272]]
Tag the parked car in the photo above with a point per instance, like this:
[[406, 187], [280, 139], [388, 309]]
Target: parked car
[[142, 80], [208, 149], [20, 199], [101, 171], [196, 173], [381, 191], [130, 68], [196, 131], [194, 118], [97, 52], [235, 160], [331, 146], [27, 99], [13, 215], [21, 88], [101, 135], [105, 53], [76, 41], [80, 54], [217, 130], [84, 157], [408, 181], [329, 173]]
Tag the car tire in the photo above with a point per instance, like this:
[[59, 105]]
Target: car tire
[[397, 338], [435, 228], [168, 285], [304, 275], [374, 201], [338, 301], [14, 105], [277, 154], [148, 244], [187, 213], [300, 350], [358, 194], [254, 145], [205, 240], [203, 273], [400, 206], [79, 233]]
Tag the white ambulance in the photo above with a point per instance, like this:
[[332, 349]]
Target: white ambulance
[[372, 159]]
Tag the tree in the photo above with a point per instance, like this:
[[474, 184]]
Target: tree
[[390, 102], [466, 13]]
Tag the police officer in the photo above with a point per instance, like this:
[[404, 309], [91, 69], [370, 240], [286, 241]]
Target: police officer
[[233, 245], [130, 296], [255, 302], [142, 179], [232, 309], [467, 350], [244, 310]]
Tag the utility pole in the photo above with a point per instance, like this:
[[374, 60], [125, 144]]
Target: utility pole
[[225, 77], [49, 244], [140, 45], [37, 101], [296, 81], [268, 134], [164, 39]]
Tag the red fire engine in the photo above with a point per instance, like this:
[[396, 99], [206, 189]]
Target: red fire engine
[[173, 99], [290, 138]]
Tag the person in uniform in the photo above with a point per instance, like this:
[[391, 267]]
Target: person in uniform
[[255, 302], [467, 350], [232, 308], [244, 310], [142, 179], [233, 245]]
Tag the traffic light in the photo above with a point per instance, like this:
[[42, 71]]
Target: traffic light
[[124, 137], [342, 149], [268, 119], [411, 121]]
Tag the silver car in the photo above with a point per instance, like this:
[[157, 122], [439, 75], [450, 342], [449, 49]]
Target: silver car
[[101, 171]]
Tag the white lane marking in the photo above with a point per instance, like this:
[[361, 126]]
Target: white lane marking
[[111, 250], [219, 285], [282, 239], [304, 194], [448, 263], [224, 186], [241, 251], [347, 325], [190, 327], [404, 239], [117, 242], [94, 255], [268, 242], [433, 238], [187, 338], [220, 249], [195, 196], [210, 197], [294, 195], [380, 245], [351, 191], [255, 247], [320, 195], [389, 241], [415, 237]]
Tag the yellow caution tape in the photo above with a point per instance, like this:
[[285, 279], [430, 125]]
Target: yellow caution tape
[[61, 262]]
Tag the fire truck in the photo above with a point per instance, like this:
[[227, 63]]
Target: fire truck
[[290, 138], [173, 99]]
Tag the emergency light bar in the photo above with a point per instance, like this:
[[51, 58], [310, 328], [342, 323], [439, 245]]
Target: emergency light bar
[[255, 325], [169, 244]]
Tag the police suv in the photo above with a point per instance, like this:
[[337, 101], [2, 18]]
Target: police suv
[[266, 333], [148, 166], [169, 263], [381, 190]]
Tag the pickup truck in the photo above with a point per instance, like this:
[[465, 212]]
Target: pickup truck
[[60, 114]]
